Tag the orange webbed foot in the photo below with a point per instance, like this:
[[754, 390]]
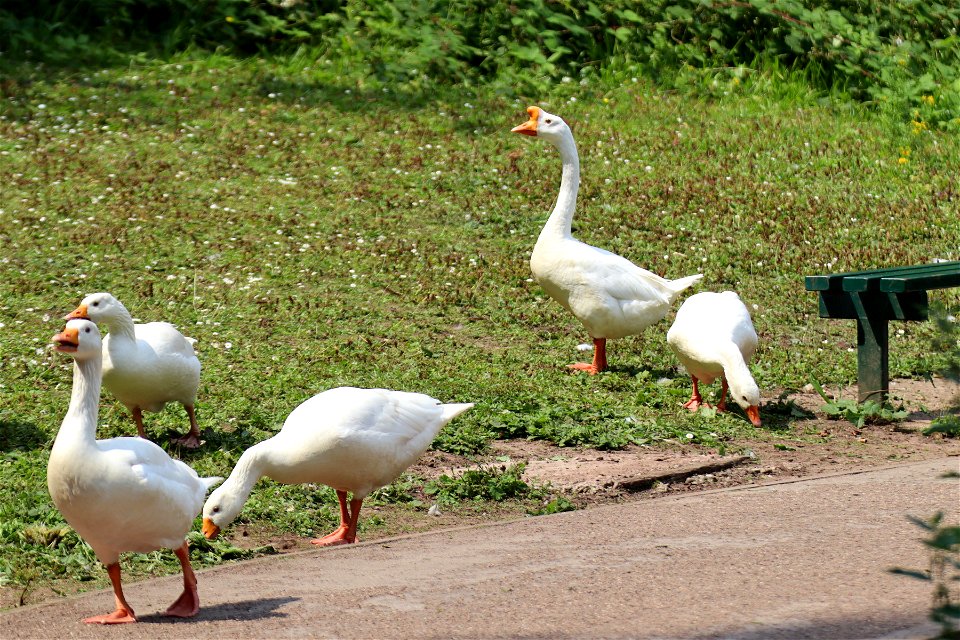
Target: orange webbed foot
[[120, 616], [695, 403], [584, 366], [189, 441], [186, 606], [339, 536]]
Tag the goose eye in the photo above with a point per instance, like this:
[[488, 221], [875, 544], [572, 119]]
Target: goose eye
[[86, 330], [215, 510], [96, 304], [549, 121]]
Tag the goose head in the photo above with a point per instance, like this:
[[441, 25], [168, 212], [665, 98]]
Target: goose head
[[220, 509], [544, 125], [746, 393], [99, 307], [79, 339]]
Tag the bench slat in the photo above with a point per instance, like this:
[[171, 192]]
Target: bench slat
[[918, 275], [837, 281], [936, 281]]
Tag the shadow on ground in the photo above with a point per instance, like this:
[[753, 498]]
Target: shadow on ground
[[244, 610]]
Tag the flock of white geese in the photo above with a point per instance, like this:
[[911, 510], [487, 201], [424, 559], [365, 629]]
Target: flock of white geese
[[127, 494]]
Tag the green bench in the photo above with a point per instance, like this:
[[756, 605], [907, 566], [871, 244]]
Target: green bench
[[872, 298]]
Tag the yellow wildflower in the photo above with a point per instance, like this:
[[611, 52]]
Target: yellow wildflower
[[927, 99], [231, 19], [903, 161]]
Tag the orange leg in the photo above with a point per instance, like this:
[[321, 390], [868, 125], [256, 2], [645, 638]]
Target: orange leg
[[599, 358], [696, 400], [188, 604], [138, 420], [192, 439], [124, 612], [346, 533], [722, 405]]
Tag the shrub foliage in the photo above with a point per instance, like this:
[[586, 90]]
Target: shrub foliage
[[903, 55]]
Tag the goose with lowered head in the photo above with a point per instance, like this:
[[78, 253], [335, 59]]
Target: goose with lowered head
[[713, 336], [353, 440], [121, 494], [147, 365], [610, 295]]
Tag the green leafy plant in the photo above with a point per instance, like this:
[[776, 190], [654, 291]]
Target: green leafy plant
[[859, 413], [558, 504], [943, 573], [486, 483]]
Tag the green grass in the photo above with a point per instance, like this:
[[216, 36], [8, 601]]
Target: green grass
[[311, 231]]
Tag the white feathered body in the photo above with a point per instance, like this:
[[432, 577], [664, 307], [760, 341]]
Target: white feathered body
[[610, 295], [125, 494], [351, 439], [713, 331], [155, 366]]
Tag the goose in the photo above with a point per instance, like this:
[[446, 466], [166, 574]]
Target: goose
[[122, 494], [610, 295], [144, 365], [353, 440], [713, 336]]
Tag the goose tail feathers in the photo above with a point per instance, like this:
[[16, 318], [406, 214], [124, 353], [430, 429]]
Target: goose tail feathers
[[680, 284], [209, 483], [452, 410]]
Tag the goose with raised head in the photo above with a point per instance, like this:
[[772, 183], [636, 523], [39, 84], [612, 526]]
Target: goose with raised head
[[713, 336], [121, 494], [353, 440], [145, 366], [610, 295]]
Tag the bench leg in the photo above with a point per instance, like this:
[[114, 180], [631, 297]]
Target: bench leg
[[873, 377]]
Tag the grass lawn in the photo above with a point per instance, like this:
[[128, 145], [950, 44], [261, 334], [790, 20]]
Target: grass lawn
[[310, 232]]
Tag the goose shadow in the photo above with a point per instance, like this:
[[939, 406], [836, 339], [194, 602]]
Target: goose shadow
[[20, 435], [260, 609]]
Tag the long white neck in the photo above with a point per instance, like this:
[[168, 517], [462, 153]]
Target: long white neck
[[121, 326], [559, 222], [80, 423], [736, 371], [242, 479]]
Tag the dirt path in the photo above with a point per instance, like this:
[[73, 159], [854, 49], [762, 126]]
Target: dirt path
[[804, 559]]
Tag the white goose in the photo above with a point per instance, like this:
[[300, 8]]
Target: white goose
[[714, 337], [121, 494], [610, 295], [354, 440], [145, 366]]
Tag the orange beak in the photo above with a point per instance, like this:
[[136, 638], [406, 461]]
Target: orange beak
[[80, 313], [753, 412], [210, 530], [67, 340], [529, 128]]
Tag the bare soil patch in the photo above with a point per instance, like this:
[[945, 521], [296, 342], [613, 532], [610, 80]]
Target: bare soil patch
[[799, 441]]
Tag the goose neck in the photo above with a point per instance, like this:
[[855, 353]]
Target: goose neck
[[561, 219], [80, 423], [121, 326], [249, 470]]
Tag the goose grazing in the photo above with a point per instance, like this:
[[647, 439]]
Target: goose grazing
[[714, 337], [353, 440], [145, 366], [121, 494], [610, 295]]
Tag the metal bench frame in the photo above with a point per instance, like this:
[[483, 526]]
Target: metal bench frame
[[874, 297]]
